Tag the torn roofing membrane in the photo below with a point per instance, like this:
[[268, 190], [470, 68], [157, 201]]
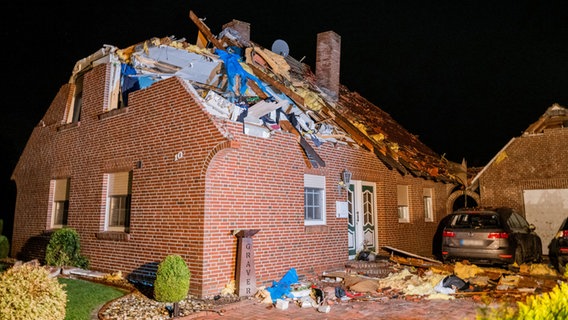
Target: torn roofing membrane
[[244, 82]]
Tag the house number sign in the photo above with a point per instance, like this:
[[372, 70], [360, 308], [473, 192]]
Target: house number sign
[[246, 277], [178, 156]]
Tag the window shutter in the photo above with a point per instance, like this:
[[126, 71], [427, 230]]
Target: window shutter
[[313, 181], [402, 195], [118, 183], [60, 190]]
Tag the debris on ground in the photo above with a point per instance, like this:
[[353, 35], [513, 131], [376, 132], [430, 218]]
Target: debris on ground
[[403, 275]]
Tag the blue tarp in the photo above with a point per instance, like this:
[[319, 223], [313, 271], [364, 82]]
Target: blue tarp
[[234, 68], [282, 288]]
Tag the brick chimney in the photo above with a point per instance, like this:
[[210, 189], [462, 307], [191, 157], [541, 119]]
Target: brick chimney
[[328, 54], [243, 28]]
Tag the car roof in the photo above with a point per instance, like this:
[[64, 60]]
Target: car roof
[[479, 210], [564, 224]]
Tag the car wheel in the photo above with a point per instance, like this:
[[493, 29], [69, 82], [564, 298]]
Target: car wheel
[[519, 259]]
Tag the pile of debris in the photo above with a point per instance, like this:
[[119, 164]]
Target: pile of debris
[[388, 278]]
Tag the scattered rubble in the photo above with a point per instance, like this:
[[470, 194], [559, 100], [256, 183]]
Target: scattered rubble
[[381, 280], [407, 276]]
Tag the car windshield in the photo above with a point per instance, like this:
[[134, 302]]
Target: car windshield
[[481, 221]]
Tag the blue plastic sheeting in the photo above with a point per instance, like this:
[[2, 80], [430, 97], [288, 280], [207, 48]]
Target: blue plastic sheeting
[[282, 288], [131, 81], [234, 68]]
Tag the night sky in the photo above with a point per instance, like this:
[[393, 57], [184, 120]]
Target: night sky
[[465, 76]]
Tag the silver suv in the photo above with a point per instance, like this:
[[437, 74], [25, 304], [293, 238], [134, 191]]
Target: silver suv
[[490, 236]]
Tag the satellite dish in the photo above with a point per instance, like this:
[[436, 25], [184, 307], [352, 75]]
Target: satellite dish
[[280, 47]]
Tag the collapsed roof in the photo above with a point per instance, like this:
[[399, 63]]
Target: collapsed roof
[[556, 116], [240, 80]]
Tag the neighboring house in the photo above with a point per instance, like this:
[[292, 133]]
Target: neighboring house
[[530, 174], [171, 148]]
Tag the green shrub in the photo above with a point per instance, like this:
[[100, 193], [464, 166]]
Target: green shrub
[[549, 305], [172, 280], [4, 247], [27, 292], [64, 249]]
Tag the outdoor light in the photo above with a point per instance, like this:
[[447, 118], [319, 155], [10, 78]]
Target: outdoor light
[[346, 179]]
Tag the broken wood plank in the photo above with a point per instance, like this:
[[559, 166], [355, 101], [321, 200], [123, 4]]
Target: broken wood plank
[[256, 89], [287, 91], [263, 107], [203, 28], [314, 157], [286, 125], [315, 160], [408, 254], [361, 138]]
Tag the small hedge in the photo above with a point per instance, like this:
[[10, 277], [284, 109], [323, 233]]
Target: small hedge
[[64, 249], [4, 243], [4, 247], [27, 292], [172, 280], [549, 305]]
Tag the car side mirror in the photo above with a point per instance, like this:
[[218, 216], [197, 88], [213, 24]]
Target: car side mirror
[[532, 227]]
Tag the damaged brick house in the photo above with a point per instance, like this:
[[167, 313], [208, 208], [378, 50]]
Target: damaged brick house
[[530, 174], [167, 147]]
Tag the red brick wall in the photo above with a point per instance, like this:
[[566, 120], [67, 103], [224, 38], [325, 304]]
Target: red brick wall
[[328, 58], [189, 205], [538, 161]]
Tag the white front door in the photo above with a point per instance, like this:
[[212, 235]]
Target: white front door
[[362, 218]]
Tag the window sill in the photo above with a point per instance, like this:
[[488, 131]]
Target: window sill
[[403, 221], [66, 126], [317, 229], [112, 113], [113, 235]]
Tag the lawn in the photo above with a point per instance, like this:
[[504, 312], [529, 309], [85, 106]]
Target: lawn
[[83, 297]]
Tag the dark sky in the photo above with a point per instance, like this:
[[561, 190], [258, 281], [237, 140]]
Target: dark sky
[[465, 76]]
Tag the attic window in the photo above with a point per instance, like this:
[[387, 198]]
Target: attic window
[[74, 111]]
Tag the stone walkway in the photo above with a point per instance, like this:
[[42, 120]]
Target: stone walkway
[[394, 309]]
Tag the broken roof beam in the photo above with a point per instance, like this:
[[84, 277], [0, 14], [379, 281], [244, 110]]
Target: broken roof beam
[[356, 134], [313, 158], [287, 91], [256, 89], [362, 139], [205, 30]]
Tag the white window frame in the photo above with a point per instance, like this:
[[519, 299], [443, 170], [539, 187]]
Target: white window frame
[[114, 84], [58, 195], [402, 203], [115, 186], [74, 109], [427, 195], [318, 183]]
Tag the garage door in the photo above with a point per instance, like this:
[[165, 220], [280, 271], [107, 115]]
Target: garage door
[[546, 208]]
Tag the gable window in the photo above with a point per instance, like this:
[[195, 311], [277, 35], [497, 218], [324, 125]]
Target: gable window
[[114, 80], [74, 114], [118, 201], [59, 203], [428, 206], [402, 203], [314, 200]]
